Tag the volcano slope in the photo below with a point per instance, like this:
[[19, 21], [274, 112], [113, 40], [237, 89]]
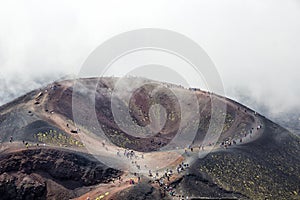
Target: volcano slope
[[47, 159]]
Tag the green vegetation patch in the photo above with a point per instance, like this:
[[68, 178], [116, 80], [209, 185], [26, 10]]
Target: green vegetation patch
[[57, 138]]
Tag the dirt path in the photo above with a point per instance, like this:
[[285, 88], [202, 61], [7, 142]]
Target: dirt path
[[107, 191], [115, 156]]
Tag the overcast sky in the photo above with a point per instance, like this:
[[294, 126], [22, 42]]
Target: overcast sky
[[254, 44]]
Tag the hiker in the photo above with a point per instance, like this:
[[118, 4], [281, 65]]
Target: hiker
[[131, 182], [11, 139], [161, 182], [172, 193], [192, 149], [131, 154]]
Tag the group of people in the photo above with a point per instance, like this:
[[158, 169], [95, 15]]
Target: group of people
[[164, 180], [228, 143], [26, 144], [130, 154], [181, 167]]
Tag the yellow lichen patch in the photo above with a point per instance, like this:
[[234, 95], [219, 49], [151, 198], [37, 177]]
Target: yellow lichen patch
[[55, 138]]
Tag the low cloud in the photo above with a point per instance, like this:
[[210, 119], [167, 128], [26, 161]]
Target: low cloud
[[255, 45]]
